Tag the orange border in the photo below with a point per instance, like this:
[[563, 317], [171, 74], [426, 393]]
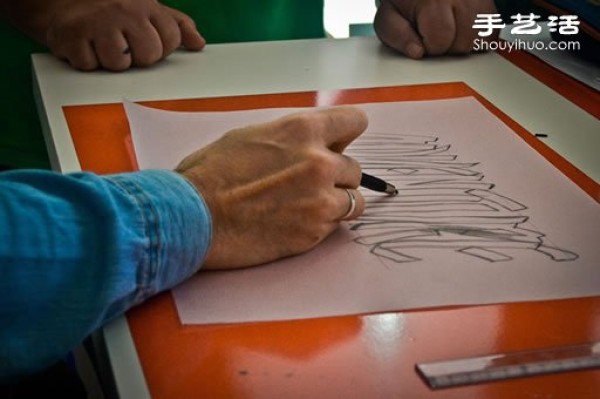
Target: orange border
[[105, 127], [101, 137]]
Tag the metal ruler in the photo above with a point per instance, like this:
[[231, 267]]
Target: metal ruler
[[475, 370]]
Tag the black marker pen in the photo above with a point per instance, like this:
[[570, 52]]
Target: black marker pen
[[376, 184]]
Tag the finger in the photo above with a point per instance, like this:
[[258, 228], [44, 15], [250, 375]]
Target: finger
[[145, 44], [352, 203], [395, 30], [350, 172], [339, 126], [80, 54], [465, 34], [191, 39], [112, 51], [437, 27], [168, 31]]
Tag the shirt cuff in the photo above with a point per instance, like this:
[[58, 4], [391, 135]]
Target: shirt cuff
[[177, 226]]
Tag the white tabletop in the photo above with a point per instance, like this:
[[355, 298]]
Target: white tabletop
[[291, 66], [301, 65]]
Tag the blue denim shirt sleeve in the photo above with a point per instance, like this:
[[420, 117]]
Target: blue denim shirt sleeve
[[78, 250]]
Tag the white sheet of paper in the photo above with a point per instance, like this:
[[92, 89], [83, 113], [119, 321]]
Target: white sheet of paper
[[481, 218]]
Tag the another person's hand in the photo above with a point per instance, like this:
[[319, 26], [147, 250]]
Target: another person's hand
[[278, 189], [430, 27], [117, 34]]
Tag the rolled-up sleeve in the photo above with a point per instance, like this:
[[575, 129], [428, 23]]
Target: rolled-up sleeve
[[78, 250]]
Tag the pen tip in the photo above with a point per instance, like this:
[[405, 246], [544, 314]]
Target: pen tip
[[391, 190]]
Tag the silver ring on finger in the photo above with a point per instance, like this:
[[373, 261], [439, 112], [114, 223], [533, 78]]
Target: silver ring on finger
[[351, 205]]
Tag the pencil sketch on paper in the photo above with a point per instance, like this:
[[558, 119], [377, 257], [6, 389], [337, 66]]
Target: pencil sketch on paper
[[442, 203]]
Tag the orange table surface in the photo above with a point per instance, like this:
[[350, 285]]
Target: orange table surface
[[362, 356]]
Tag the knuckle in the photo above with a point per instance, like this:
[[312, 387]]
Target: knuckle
[[436, 37], [185, 21], [82, 63], [118, 6], [321, 166], [170, 43], [116, 65], [308, 126], [303, 126], [435, 46], [149, 57]]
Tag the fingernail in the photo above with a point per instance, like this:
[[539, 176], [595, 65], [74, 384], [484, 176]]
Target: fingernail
[[414, 50]]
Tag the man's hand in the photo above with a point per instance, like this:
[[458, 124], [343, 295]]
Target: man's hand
[[117, 34], [110, 34], [430, 27], [278, 189]]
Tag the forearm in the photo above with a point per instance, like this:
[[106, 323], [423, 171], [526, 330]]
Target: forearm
[[79, 250]]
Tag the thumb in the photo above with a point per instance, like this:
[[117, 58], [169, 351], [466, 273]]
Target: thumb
[[191, 39]]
